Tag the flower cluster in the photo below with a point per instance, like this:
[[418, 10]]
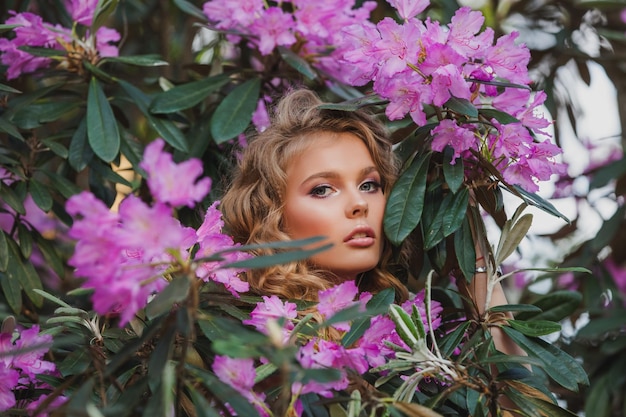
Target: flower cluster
[[126, 255], [420, 65], [21, 360], [31, 31], [378, 345]]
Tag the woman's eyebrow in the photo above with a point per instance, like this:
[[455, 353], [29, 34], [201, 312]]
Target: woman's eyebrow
[[333, 174]]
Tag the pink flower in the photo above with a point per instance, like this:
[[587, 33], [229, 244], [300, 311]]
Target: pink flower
[[272, 308], [82, 11], [448, 133], [239, 373], [273, 29], [408, 9], [465, 36], [8, 381], [173, 183], [55, 404], [509, 60], [211, 240]]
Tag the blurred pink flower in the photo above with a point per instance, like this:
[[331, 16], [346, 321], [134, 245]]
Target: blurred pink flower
[[175, 184]]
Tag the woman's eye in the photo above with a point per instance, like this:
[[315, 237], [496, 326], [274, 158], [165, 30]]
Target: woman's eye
[[370, 186], [321, 191]]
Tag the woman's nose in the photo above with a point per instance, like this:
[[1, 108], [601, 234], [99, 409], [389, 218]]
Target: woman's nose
[[357, 207]]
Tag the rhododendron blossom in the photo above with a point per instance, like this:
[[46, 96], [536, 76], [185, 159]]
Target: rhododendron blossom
[[32, 31], [21, 360]]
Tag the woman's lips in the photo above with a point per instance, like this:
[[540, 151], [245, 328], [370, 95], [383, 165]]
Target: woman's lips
[[361, 237]]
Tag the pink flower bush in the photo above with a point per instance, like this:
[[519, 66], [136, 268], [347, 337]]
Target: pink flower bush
[[21, 360], [124, 255], [32, 31]]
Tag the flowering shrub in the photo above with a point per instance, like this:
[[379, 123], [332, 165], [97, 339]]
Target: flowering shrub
[[126, 289]]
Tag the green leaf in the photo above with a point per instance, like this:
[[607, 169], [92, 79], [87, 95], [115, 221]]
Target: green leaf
[[404, 325], [465, 250], [455, 212], [554, 306], [40, 194], [608, 172], [26, 240], [234, 113], [80, 153], [8, 88], [9, 128], [210, 328], [378, 304], [43, 52], [462, 106], [356, 103], [201, 405], [102, 13], [4, 251], [175, 292], [164, 127], [515, 307], [75, 363], [102, 130], [406, 201], [139, 60], [500, 116], [560, 366], [453, 339], [297, 62], [62, 184], [598, 328], [454, 174], [276, 259], [187, 95], [11, 290], [512, 235], [25, 273], [55, 147], [160, 356], [190, 9], [598, 399], [535, 327], [8, 196], [536, 200]]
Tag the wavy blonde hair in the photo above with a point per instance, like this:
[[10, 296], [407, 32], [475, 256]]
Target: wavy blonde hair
[[252, 206]]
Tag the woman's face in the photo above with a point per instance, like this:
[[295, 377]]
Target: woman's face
[[334, 190]]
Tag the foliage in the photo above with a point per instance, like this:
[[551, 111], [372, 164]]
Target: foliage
[[83, 110]]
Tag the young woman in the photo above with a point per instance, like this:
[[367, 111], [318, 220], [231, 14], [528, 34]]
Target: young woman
[[322, 172], [316, 172]]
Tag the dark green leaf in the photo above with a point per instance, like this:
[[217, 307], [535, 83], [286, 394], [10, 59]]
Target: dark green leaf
[[106, 172], [277, 259], [56, 147], [432, 219], [453, 339], [515, 307], [8, 196], [80, 153], [210, 329], [455, 212], [160, 356], [102, 13], [40, 194], [500, 116], [164, 127], [139, 60], [36, 114], [297, 62], [175, 292], [76, 362], [608, 172], [11, 290], [554, 306], [465, 250], [9, 128], [102, 130], [454, 174], [26, 274], [537, 201], [462, 106], [406, 201], [190, 9], [187, 95], [560, 366], [43, 52], [4, 251], [201, 405], [355, 104], [234, 113], [600, 327], [598, 400], [26, 240], [8, 88], [377, 305], [535, 327], [62, 184]]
